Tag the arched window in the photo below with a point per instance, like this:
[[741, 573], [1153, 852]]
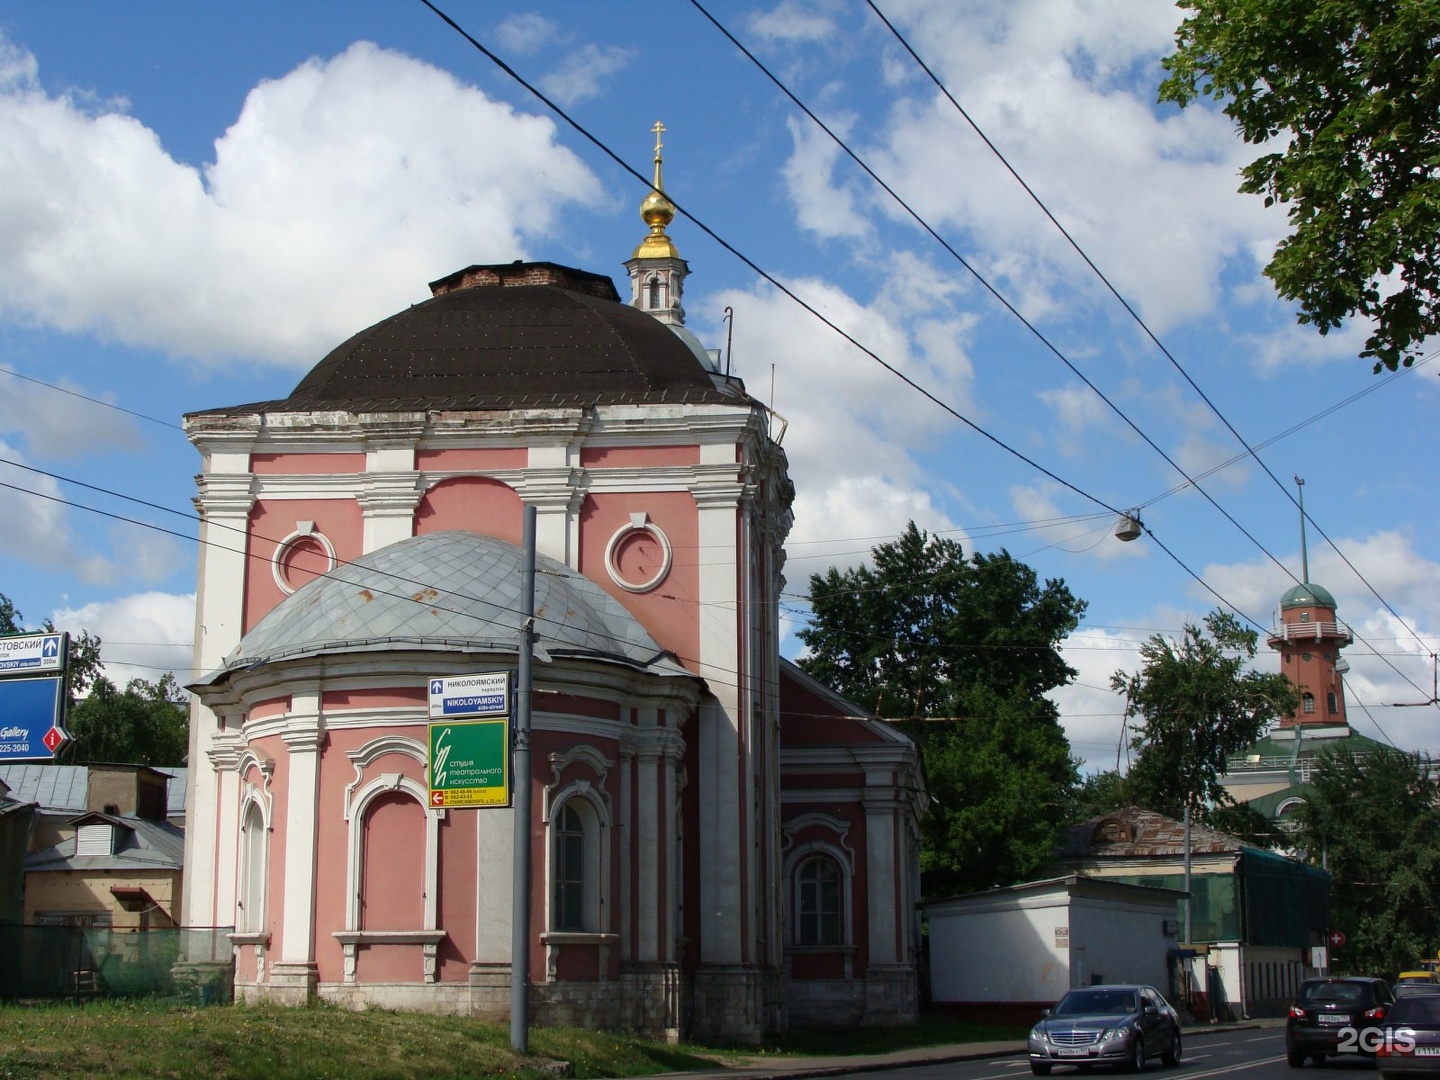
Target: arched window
[[393, 878], [1307, 703], [570, 870], [817, 902], [657, 292], [251, 916], [575, 868]]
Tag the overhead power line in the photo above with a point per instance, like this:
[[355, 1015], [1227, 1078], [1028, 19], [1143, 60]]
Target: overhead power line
[[1135, 315]]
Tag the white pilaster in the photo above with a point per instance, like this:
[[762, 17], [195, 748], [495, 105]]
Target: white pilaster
[[224, 502], [304, 732]]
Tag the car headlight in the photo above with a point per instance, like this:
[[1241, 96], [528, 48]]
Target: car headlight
[[1037, 1034], [1115, 1033]]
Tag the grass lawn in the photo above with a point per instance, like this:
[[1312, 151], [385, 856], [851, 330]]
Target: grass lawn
[[122, 1039]]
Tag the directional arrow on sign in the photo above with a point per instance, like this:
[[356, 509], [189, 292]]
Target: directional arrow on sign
[[437, 798]]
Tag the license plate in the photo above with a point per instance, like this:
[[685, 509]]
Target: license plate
[[1427, 1051], [1327, 1019], [1072, 1051]]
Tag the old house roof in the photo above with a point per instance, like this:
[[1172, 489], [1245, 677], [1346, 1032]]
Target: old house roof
[[1135, 833]]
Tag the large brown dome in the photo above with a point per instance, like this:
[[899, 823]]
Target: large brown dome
[[512, 336]]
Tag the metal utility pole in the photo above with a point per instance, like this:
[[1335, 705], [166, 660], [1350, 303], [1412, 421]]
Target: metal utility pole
[[520, 903]]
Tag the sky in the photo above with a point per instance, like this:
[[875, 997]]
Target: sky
[[199, 201]]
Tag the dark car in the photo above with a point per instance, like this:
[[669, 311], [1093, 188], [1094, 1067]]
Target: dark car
[[1414, 989], [1336, 1016], [1410, 1040], [1120, 1025]]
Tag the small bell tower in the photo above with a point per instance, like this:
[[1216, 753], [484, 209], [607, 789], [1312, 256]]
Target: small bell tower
[[657, 273], [1309, 638]]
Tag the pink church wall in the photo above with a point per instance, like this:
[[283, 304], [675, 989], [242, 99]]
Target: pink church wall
[[455, 906], [475, 459], [269, 707], [669, 611], [374, 698], [271, 520], [631, 457], [806, 719], [306, 464], [475, 503], [392, 892]]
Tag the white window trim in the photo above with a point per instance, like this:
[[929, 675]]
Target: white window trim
[[597, 859], [304, 530]]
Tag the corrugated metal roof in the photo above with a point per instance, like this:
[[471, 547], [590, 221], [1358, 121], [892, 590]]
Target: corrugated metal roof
[[143, 845], [54, 787]]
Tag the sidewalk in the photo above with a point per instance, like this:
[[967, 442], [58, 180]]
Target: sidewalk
[[798, 1068]]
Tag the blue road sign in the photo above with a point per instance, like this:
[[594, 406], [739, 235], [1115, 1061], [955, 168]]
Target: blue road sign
[[31, 718]]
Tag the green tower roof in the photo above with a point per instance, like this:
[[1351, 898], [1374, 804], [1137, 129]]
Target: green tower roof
[[1307, 595]]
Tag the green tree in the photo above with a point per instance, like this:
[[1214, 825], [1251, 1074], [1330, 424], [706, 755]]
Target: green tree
[[1099, 794], [1373, 820], [964, 650], [1345, 97], [147, 723], [1196, 702]]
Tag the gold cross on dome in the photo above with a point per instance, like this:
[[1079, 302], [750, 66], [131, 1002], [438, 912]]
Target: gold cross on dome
[[659, 129]]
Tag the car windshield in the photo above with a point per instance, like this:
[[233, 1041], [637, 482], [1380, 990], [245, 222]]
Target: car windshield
[[1097, 1003], [1421, 1009], [1338, 993]]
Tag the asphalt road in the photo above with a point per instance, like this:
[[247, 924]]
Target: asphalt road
[[1252, 1054]]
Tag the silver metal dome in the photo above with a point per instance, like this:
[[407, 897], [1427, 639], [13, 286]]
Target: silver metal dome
[[449, 592]]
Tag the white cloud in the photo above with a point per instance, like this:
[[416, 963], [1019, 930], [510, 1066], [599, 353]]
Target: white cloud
[[527, 32], [367, 159], [583, 74], [142, 636], [1066, 92], [37, 527], [61, 423], [793, 21], [822, 206]]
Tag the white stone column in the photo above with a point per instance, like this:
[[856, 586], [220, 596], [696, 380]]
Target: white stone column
[[293, 974], [725, 794], [649, 831]]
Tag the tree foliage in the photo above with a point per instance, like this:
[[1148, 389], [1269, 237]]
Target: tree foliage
[[1344, 95], [147, 723], [965, 650], [1374, 822], [1197, 702]]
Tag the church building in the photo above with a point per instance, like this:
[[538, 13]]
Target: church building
[[721, 846]]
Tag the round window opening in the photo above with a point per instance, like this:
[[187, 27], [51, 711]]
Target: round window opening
[[638, 555], [300, 558]]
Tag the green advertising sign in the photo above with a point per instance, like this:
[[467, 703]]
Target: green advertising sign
[[470, 763]]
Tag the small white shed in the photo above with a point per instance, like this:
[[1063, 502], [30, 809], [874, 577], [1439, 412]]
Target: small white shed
[[1003, 955]]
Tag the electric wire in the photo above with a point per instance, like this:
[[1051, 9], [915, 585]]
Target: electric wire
[[595, 141], [1135, 315], [1040, 336]]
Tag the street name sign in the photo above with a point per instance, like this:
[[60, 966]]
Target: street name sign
[[484, 694], [32, 713], [33, 654]]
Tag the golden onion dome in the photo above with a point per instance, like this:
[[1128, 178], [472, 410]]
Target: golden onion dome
[[657, 211]]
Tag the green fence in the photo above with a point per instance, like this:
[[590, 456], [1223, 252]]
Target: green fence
[[63, 962]]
